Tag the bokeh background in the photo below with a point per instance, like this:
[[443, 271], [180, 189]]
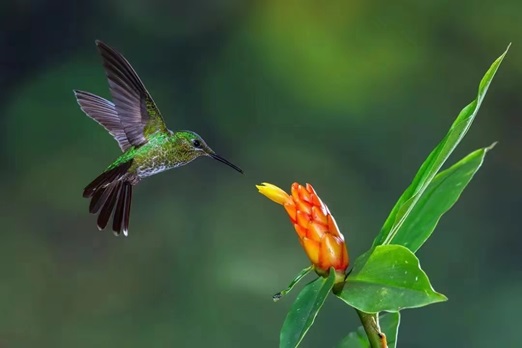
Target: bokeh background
[[350, 96]]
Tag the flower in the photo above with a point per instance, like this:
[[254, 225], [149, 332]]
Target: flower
[[315, 226]]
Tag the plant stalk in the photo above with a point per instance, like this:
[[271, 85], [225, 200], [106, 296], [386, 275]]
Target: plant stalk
[[370, 323]]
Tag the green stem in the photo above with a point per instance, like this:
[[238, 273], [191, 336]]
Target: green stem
[[370, 323]]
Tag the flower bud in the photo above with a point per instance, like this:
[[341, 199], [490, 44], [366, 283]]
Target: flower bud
[[316, 228]]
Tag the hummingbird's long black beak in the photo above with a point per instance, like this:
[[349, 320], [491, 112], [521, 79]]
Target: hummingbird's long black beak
[[222, 160]]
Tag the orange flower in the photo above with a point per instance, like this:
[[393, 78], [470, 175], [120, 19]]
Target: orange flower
[[318, 233]]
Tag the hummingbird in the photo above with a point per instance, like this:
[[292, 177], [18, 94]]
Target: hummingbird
[[148, 146]]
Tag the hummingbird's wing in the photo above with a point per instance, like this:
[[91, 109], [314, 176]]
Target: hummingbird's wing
[[139, 115], [103, 112]]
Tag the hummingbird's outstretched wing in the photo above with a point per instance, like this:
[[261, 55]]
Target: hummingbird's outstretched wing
[[104, 112], [139, 115]]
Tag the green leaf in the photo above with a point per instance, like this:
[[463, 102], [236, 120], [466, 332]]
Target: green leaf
[[388, 278], [304, 310], [389, 325], [440, 195], [434, 162], [304, 272]]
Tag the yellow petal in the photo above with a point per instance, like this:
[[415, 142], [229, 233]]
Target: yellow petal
[[331, 254], [311, 249], [274, 193]]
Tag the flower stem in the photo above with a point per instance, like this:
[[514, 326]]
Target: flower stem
[[370, 323]]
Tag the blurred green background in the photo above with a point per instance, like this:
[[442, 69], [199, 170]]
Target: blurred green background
[[350, 96]]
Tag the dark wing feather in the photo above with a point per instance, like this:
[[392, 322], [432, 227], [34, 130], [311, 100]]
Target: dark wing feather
[[137, 111], [103, 112]]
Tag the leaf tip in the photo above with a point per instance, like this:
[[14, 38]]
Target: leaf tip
[[442, 297], [505, 52], [490, 147]]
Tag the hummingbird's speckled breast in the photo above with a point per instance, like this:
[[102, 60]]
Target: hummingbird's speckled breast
[[160, 153]]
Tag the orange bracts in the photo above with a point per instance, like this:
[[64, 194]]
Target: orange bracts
[[318, 233]]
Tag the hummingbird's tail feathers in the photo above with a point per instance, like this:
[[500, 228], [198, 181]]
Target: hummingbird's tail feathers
[[106, 178], [108, 206], [104, 113], [120, 222], [111, 192], [100, 197]]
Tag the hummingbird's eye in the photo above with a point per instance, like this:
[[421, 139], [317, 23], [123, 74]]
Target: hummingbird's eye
[[196, 143]]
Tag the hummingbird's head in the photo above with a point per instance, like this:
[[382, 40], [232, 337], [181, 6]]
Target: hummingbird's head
[[198, 147]]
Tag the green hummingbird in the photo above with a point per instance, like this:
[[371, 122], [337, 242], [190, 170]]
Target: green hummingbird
[[148, 146]]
